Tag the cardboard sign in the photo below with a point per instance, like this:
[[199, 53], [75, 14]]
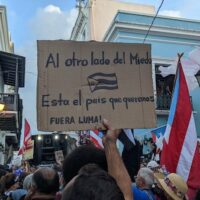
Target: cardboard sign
[[28, 153], [59, 156], [16, 160], [81, 83]]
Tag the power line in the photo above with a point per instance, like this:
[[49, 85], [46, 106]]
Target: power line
[[153, 21]]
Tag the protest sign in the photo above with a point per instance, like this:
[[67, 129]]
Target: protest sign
[[28, 153], [81, 83], [59, 156], [16, 159]]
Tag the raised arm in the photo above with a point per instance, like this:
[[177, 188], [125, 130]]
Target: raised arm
[[116, 167]]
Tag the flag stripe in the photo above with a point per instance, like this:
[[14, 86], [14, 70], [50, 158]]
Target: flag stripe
[[180, 123], [26, 131], [96, 139], [172, 109], [106, 87], [26, 137], [194, 176], [126, 138], [153, 137], [129, 134], [101, 75], [102, 81], [188, 151]]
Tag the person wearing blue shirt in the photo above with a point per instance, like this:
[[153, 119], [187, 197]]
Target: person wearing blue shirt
[[144, 182]]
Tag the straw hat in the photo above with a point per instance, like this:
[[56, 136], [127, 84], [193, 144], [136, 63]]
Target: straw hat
[[174, 186], [159, 175]]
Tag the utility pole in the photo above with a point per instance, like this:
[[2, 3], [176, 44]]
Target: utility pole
[[80, 4]]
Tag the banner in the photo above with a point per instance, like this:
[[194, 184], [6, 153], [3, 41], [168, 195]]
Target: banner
[[28, 153], [59, 156]]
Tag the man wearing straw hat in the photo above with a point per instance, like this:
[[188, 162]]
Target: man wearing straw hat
[[174, 187]]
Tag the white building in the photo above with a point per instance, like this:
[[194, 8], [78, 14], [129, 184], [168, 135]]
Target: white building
[[12, 72]]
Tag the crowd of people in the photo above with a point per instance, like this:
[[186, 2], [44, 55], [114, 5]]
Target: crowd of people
[[91, 173]]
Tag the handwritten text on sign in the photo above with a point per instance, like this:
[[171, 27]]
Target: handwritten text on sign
[[75, 61], [80, 83]]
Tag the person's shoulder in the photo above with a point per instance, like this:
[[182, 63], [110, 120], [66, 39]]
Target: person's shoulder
[[139, 194]]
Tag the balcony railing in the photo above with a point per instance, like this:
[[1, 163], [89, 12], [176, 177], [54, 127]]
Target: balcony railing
[[10, 101], [11, 116], [164, 102]]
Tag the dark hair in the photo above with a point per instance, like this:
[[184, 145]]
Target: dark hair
[[93, 183], [7, 181], [2, 172], [10, 180], [197, 195], [21, 178], [159, 192], [81, 156], [46, 180]]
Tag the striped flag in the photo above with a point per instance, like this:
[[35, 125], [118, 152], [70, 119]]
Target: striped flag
[[27, 137], [180, 151], [157, 136], [126, 137], [96, 138], [98, 81]]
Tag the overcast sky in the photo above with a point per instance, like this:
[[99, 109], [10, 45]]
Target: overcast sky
[[31, 20]]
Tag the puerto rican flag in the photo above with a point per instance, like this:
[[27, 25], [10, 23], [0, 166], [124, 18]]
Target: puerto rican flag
[[157, 136], [180, 151], [126, 137], [26, 137], [96, 138]]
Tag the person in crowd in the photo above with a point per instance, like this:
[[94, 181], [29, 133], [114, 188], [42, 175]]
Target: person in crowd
[[146, 150], [45, 184], [157, 170], [20, 194], [154, 151], [92, 183], [144, 182], [174, 187], [21, 178], [116, 167], [197, 195], [8, 184], [153, 165], [116, 183], [28, 182], [81, 156], [61, 186], [2, 172], [131, 159]]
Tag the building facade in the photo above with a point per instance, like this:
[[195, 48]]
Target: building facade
[[129, 24], [12, 75]]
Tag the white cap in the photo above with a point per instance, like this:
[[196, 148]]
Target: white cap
[[152, 164]]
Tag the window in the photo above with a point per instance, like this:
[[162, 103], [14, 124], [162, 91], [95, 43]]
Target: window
[[164, 88]]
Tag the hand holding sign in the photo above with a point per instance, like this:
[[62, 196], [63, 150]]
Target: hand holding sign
[[111, 134]]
